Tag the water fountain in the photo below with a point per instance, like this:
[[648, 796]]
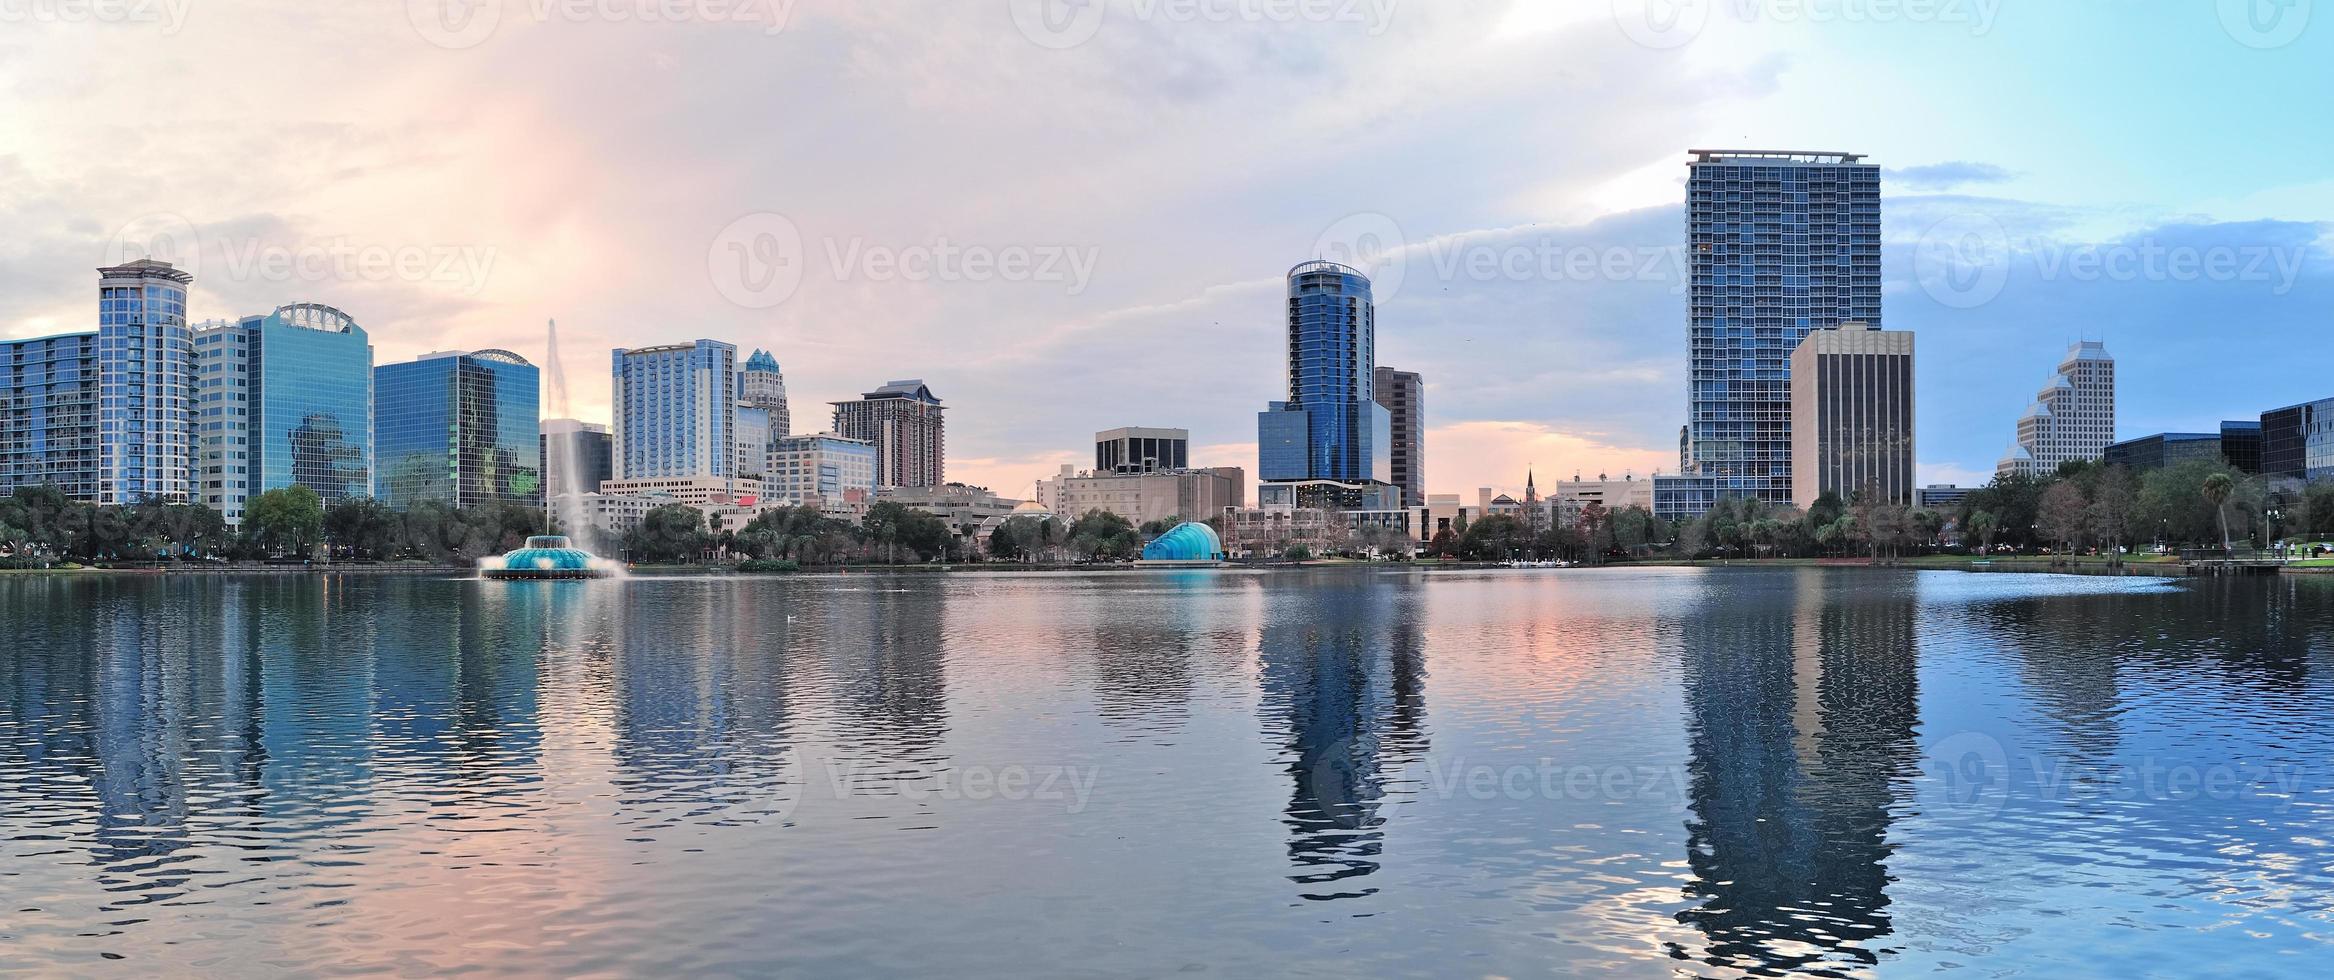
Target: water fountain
[[552, 556]]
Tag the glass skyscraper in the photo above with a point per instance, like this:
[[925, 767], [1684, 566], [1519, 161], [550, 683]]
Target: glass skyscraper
[[459, 428], [676, 411], [1781, 244], [284, 399], [146, 370], [1328, 445], [48, 414]]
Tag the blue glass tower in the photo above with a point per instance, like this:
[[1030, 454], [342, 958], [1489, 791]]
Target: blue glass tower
[[1782, 244], [458, 428], [146, 363], [676, 411], [284, 399], [1328, 444], [48, 415]]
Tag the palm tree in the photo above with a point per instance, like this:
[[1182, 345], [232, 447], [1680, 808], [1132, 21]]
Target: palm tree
[[2217, 490]]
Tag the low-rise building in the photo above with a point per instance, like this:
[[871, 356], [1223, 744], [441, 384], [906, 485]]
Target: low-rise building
[[825, 470], [695, 491], [1940, 497], [963, 507], [1157, 495]]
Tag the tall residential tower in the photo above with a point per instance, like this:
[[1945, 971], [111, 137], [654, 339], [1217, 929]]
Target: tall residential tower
[[1781, 244], [904, 421]]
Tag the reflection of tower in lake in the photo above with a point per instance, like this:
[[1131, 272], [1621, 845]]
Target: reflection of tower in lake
[[702, 703], [1344, 672], [1801, 703]]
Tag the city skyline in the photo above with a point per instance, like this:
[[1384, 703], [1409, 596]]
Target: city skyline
[[1565, 372]]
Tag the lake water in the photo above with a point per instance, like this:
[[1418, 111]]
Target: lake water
[[1348, 772]]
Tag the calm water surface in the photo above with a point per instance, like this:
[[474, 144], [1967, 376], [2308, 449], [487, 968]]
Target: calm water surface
[[1717, 772]]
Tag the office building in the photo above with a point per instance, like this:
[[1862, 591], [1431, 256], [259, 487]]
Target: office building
[[821, 469], [283, 400], [2241, 445], [459, 428], [584, 449], [2073, 418], [752, 438], [2297, 442], [1158, 495], [1326, 446], [905, 423], [49, 432], [2164, 449], [762, 385], [1573, 497], [1403, 393], [1852, 416], [675, 408], [146, 369], [1781, 244], [1136, 450], [1940, 497]]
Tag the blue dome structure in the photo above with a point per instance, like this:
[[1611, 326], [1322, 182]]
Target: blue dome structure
[[1187, 543], [547, 557]]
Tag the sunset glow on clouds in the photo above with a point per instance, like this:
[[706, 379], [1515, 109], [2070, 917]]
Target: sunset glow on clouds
[[1066, 232]]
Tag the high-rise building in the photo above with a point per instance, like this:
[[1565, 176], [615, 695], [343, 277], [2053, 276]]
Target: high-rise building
[[1781, 244], [762, 385], [49, 433], [1403, 393], [459, 428], [282, 400], [146, 369], [1137, 450], [821, 469], [583, 448], [676, 411], [904, 421], [1852, 416], [2073, 418], [1326, 446]]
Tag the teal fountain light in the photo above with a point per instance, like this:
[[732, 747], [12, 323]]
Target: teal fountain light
[[546, 556]]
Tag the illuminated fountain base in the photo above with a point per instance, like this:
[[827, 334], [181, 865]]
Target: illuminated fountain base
[[546, 557]]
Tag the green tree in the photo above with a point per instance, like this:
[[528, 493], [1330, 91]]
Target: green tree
[[362, 527], [1104, 535], [671, 534], [285, 521], [2064, 514], [2217, 490], [1983, 525]]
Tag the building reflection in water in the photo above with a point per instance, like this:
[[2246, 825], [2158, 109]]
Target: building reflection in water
[[1802, 704], [1344, 684], [1152, 643], [702, 719]]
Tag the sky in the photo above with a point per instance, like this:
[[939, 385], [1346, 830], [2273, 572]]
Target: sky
[[1067, 217]]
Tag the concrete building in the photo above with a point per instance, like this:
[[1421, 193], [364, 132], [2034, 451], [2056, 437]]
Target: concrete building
[[2072, 418], [461, 428], [1782, 244], [1573, 497], [1852, 415], [283, 399], [1326, 447], [963, 508], [49, 429], [586, 447], [695, 491], [1137, 450], [1189, 494], [905, 423], [675, 411], [1403, 393], [824, 469], [763, 385], [1251, 532]]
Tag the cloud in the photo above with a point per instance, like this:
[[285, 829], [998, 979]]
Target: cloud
[[1942, 176]]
